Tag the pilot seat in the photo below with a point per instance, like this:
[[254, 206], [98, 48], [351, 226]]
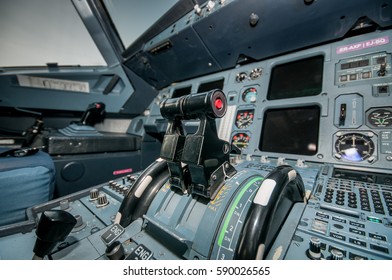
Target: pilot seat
[[27, 178]]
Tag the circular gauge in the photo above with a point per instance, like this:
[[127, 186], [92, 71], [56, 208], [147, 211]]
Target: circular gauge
[[250, 95], [380, 118], [354, 147], [244, 118], [241, 140]]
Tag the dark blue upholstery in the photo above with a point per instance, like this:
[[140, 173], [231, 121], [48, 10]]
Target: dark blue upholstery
[[24, 182]]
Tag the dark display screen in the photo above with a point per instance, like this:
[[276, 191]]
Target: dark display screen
[[291, 130], [218, 84], [178, 92], [296, 79]]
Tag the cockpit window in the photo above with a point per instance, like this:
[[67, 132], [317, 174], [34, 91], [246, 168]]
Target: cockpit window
[[35, 33], [133, 17]]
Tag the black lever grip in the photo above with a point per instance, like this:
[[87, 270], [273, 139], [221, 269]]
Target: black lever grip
[[272, 203], [147, 180], [213, 104], [53, 226]]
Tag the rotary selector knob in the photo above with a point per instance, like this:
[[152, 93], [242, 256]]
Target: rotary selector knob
[[79, 223], [111, 184], [336, 255], [125, 190], [64, 205], [314, 251], [117, 187], [242, 76], [131, 178], [120, 189], [94, 193], [115, 251], [102, 200]]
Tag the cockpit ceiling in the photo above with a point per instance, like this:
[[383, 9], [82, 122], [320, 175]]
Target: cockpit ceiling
[[237, 33]]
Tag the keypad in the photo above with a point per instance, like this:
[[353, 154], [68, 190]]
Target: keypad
[[368, 197]]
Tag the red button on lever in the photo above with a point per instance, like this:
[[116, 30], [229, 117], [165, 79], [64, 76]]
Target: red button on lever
[[218, 104]]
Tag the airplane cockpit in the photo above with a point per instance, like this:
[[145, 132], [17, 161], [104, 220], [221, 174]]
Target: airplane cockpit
[[196, 130]]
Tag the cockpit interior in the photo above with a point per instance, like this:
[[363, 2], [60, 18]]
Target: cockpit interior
[[196, 130]]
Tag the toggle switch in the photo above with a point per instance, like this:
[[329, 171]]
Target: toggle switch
[[342, 114]]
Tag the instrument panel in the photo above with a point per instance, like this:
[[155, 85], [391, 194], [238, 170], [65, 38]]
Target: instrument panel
[[350, 117]]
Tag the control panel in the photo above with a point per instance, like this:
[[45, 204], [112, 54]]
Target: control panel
[[94, 210], [359, 69], [348, 217]]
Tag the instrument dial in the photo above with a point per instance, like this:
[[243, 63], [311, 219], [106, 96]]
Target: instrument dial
[[250, 95], [380, 118], [241, 140], [354, 147], [244, 118]]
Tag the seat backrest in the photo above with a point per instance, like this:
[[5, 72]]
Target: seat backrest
[[24, 182]]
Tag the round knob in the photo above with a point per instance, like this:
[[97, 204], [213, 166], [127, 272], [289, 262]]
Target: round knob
[[94, 194], [102, 200], [115, 251], [79, 223], [117, 186], [111, 184], [64, 204], [120, 189], [125, 190], [314, 251], [336, 255]]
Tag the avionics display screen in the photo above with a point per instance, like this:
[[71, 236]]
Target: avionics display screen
[[296, 79], [218, 84], [291, 130], [178, 92]]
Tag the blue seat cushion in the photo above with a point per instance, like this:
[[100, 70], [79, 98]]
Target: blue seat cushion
[[24, 182]]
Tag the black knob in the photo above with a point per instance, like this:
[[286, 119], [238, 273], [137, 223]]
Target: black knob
[[115, 251], [314, 251], [53, 226]]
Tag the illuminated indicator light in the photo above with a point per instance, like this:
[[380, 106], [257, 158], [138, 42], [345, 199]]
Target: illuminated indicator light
[[374, 220], [218, 104], [233, 207]]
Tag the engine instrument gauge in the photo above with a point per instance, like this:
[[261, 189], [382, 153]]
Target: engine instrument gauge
[[250, 95], [354, 147], [241, 140], [244, 118], [380, 118]]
